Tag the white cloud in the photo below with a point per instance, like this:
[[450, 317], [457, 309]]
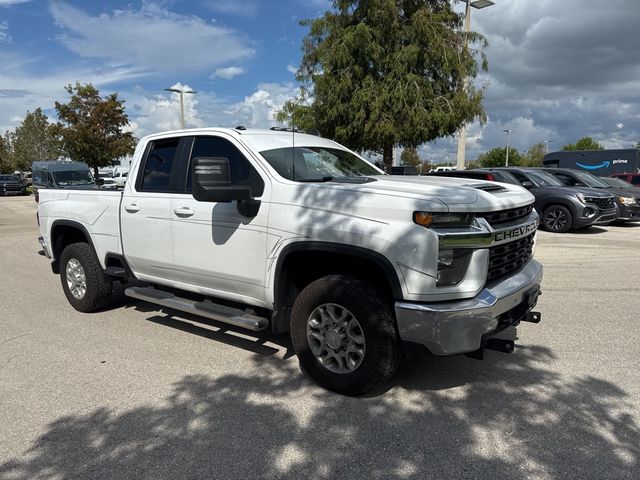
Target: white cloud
[[154, 113], [5, 36], [152, 38], [620, 126], [228, 72], [292, 69], [151, 113], [24, 88], [8, 3], [258, 109], [234, 7]]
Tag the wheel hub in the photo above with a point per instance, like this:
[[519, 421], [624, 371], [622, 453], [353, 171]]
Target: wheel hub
[[336, 338], [76, 278]]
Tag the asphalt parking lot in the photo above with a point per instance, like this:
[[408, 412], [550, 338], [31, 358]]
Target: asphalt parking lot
[[135, 392]]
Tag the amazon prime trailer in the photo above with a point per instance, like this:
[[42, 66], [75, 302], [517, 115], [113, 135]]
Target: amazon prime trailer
[[599, 162]]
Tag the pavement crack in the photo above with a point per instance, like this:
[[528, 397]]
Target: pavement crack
[[12, 338]]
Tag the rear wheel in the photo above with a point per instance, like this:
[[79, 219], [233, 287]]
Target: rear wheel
[[344, 335], [557, 218], [85, 284]]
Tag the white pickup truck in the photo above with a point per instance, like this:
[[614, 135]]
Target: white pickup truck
[[293, 232]]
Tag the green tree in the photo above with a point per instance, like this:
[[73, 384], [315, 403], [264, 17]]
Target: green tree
[[585, 143], [534, 156], [91, 127], [6, 160], [497, 157], [381, 73], [409, 156], [34, 139]]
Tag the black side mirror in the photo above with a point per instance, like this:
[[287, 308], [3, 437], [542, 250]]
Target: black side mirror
[[528, 184], [99, 181], [212, 181]]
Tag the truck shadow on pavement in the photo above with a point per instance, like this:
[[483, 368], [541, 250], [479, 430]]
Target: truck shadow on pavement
[[506, 417]]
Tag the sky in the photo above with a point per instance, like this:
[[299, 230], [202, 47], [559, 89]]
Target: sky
[[558, 70]]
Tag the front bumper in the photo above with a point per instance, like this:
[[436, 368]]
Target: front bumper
[[12, 190], [461, 326], [628, 213], [592, 215]]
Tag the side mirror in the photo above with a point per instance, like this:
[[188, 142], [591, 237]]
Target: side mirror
[[212, 181], [527, 184], [99, 181]]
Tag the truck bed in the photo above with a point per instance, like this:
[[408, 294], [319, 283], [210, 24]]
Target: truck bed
[[95, 210]]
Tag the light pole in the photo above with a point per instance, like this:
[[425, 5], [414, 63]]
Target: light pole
[[181, 93], [508, 132], [462, 135], [546, 143]]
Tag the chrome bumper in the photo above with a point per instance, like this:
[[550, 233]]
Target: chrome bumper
[[449, 328]]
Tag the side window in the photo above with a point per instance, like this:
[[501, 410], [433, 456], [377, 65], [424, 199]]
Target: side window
[[158, 166], [519, 176], [241, 171], [567, 180]]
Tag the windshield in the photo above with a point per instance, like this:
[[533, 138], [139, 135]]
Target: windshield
[[9, 178], [67, 178], [544, 179], [616, 182], [590, 180], [309, 164]]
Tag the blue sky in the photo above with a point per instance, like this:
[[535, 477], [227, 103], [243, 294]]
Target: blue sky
[[557, 70]]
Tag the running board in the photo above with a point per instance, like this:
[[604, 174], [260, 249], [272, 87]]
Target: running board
[[207, 309]]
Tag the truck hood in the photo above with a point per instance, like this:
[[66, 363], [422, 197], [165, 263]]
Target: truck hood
[[459, 194]]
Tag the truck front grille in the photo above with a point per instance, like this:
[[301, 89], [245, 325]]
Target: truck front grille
[[601, 203], [506, 258], [496, 219]]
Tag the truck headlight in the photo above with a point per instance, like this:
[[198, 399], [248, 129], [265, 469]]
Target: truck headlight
[[627, 200], [581, 198], [452, 266], [427, 219]]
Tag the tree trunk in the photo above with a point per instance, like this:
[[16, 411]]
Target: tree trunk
[[387, 157]]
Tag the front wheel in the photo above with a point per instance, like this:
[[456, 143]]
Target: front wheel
[[557, 218], [85, 284], [344, 335]]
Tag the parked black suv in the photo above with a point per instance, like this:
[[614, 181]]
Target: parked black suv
[[564, 208], [12, 184], [627, 208]]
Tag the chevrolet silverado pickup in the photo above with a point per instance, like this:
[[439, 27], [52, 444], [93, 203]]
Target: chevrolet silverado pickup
[[293, 232]]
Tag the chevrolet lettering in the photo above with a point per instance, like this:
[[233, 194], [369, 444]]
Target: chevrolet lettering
[[516, 232]]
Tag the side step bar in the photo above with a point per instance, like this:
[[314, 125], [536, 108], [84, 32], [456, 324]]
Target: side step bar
[[207, 309]]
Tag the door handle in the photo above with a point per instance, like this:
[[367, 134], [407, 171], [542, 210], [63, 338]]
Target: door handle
[[133, 208], [183, 212]]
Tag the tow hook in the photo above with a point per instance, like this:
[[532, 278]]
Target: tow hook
[[495, 344], [533, 317], [500, 345]]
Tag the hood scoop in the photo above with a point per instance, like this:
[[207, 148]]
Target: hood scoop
[[487, 187]]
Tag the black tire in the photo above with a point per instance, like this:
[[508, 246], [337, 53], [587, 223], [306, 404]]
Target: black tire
[[557, 218], [98, 285], [382, 350]]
